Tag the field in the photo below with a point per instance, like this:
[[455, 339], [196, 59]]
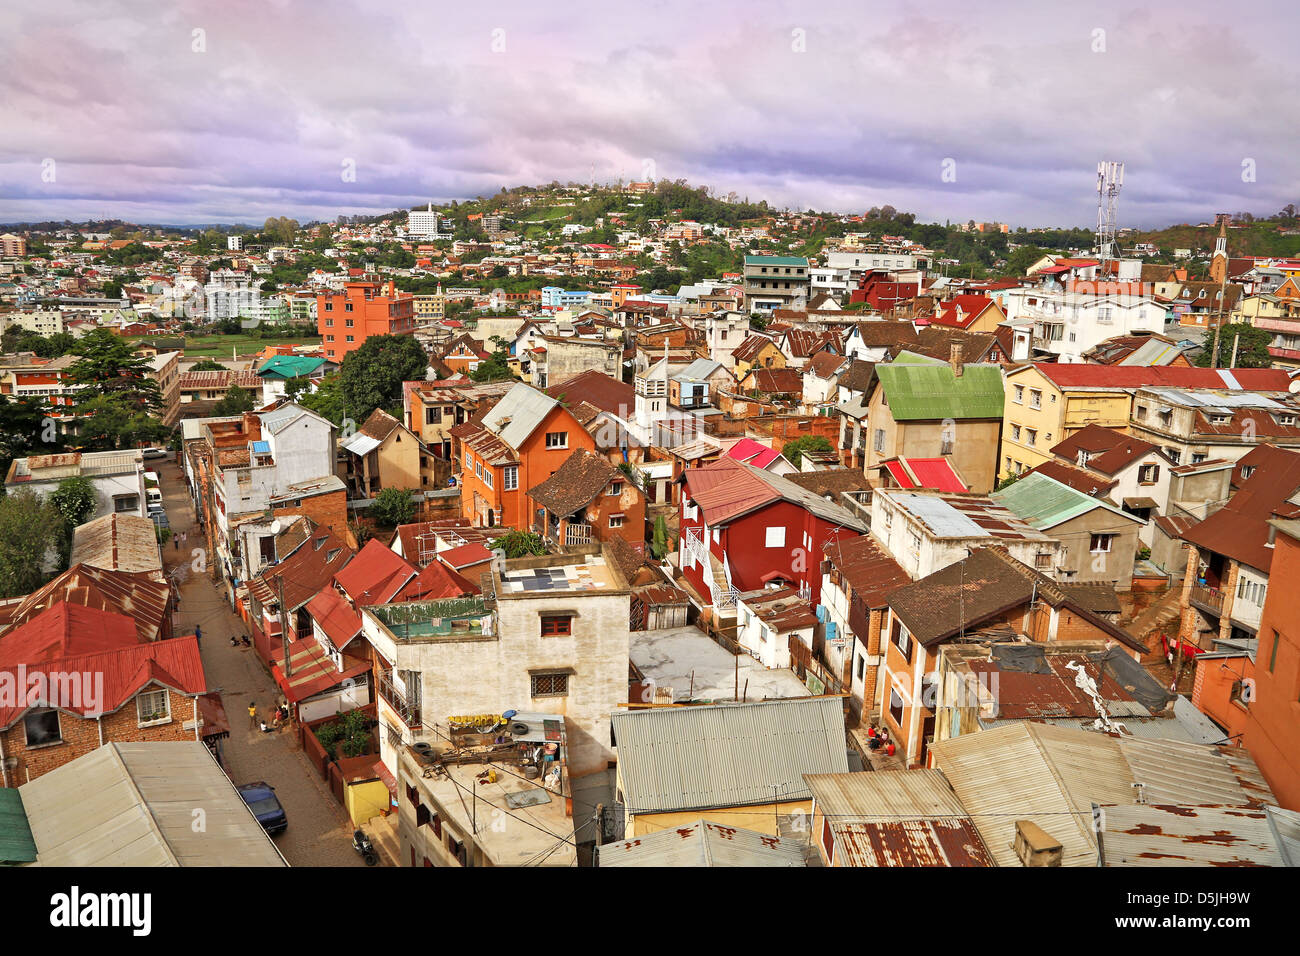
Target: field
[[217, 347]]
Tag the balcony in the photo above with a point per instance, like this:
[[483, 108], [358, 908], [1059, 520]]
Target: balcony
[[1207, 599], [408, 712]]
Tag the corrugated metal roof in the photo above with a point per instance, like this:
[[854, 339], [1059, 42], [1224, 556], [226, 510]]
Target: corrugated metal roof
[[703, 844], [518, 413], [867, 797], [117, 542], [727, 755], [948, 842], [943, 520], [1165, 835], [1174, 772], [933, 392], [359, 443], [1045, 502], [16, 844], [131, 804]]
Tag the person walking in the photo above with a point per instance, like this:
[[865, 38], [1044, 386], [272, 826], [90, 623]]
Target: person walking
[[252, 716], [198, 634]]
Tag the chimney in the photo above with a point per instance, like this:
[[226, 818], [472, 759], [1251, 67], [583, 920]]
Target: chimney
[[1035, 846], [954, 359]]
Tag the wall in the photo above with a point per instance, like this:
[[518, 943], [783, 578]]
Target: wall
[[974, 447], [1114, 567]]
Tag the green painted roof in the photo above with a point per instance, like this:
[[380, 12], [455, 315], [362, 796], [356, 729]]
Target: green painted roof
[[290, 366], [912, 358], [927, 392], [1044, 502], [16, 843], [775, 261]]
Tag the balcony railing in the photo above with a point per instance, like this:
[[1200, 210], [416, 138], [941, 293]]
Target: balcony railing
[[576, 535], [410, 713], [1209, 598]]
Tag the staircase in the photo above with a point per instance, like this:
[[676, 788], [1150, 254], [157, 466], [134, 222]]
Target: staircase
[[1162, 615], [724, 595]]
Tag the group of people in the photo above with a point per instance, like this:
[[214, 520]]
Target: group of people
[[877, 738], [278, 716]]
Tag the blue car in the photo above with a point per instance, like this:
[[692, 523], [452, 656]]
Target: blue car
[[261, 799]]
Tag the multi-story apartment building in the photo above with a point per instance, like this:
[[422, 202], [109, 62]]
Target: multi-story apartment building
[[117, 477], [363, 309], [231, 299], [1193, 426], [12, 247], [165, 369], [776, 282]]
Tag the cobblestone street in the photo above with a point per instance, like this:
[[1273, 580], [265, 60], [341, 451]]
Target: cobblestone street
[[319, 832]]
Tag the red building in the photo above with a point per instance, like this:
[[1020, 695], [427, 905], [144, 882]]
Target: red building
[[346, 319], [743, 528], [883, 293], [1273, 710]]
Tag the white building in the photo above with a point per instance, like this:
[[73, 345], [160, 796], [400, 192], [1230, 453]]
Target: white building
[[235, 243], [117, 477]]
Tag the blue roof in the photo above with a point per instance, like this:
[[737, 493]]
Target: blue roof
[[261, 448]]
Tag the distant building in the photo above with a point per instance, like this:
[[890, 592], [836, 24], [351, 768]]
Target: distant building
[[345, 320]]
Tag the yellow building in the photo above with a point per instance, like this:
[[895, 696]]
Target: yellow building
[[1047, 403], [384, 453], [757, 351]]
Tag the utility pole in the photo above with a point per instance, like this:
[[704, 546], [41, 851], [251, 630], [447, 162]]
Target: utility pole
[[1236, 340], [284, 628]]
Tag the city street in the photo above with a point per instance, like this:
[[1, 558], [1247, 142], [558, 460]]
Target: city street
[[319, 832]]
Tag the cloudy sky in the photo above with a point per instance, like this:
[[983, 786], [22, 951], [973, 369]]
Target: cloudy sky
[[237, 110]]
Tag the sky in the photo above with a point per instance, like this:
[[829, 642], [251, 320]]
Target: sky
[[234, 111]]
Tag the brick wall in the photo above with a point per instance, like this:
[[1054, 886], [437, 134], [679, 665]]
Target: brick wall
[[81, 736]]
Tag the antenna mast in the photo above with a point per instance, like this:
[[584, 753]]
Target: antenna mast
[[1110, 179]]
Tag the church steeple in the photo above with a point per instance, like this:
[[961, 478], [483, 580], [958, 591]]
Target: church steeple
[[1219, 261]]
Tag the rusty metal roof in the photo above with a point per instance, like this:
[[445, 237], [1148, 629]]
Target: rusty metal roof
[[703, 843], [117, 542], [1182, 835]]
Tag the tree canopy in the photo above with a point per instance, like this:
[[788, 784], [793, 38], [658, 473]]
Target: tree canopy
[[1252, 347], [371, 377]]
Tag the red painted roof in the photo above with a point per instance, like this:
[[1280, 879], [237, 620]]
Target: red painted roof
[[934, 473], [437, 581], [66, 630], [1139, 376], [465, 556], [972, 306], [313, 670], [125, 671], [748, 450], [335, 616], [375, 575]]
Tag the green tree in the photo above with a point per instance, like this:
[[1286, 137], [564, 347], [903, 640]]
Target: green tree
[[497, 367], [207, 365], [1252, 347], [29, 531], [107, 422], [659, 543], [326, 401], [107, 368], [371, 377], [24, 428], [794, 450], [236, 401], [519, 544], [393, 506], [76, 500]]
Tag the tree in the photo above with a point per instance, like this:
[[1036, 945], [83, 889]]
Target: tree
[[24, 428], [326, 401], [207, 365], [659, 543], [76, 500], [372, 376], [29, 529], [1252, 347], [236, 401], [794, 450], [393, 506], [108, 422], [107, 368], [497, 367]]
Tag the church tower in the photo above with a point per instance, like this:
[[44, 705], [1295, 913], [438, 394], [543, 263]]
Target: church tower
[[1219, 261]]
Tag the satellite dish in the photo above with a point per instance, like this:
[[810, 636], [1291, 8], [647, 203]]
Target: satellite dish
[[275, 526]]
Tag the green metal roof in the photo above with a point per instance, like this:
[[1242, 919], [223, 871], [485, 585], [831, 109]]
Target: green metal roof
[[16, 843], [928, 392], [290, 366], [1045, 502], [776, 261], [913, 358]]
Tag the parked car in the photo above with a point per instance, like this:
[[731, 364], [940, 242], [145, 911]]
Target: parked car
[[261, 799], [154, 452], [159, 518]]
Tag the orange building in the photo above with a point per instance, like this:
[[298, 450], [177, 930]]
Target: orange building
[[517, 444], [1273, 712], [1222, 689], [346, 319]]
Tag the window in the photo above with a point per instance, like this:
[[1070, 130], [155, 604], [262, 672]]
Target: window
[[433, 415], [556, 625], [902, 640], [550, 685], [487, 477], [1101, 543], [1020, 395], [1035, 398], [615, 488], [478, 469], [1031, 436], [469, 461], [124, 503], [878, 440], [511, 477], [42, 726], [557, 439], [1272, 657], [914, 542], [1043, 560], [862, 666], [896, 707], [153, 707], [616, 521], [1141, 411], [1015, 433], [1149, 474], [775, 538]]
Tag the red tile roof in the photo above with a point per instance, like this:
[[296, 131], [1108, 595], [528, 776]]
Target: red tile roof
[[136, 594], [438, 581], [467, 555], [335, 615], [1240, 528]]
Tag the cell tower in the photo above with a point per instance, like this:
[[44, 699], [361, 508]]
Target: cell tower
[[1110, 179]]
